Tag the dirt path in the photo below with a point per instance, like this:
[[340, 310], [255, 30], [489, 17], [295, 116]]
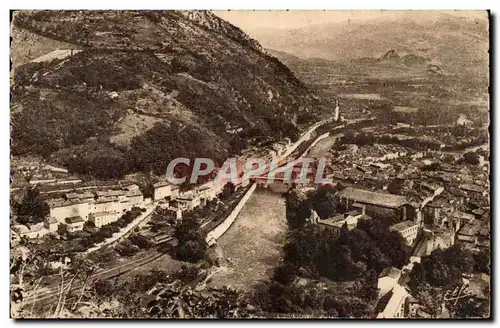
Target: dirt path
[[322, 147], [252, 247]]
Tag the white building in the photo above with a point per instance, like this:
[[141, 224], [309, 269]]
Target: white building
[[408, 229], [51, 224], [104, 218], [61, 209], [74, 223], [387, 279], [395, 306], [188, 203], [162, 190], [31, 230], [135, 197]]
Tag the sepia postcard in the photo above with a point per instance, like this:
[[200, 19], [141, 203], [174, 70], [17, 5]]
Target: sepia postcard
[[250, 164]]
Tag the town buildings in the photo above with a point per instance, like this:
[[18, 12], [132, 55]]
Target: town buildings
[[407, 229], [74, 223], [349, 218], [103, 218], [392, 305], [388, 278], [375, 204], [162, 190]]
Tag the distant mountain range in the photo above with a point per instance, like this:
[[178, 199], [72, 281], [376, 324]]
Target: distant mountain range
[[451, 42]]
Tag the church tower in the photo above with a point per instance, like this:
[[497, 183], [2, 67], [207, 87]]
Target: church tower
[[336, 114]]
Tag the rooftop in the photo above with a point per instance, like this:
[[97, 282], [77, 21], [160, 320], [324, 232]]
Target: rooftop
[[398, 293], [51, 220], [110, 193], [21, 228], [107, 200], [469, 229], [134, 192], [132, 187], [463, 216], [403, 225], [74, 195], [390, 272], [160, 184], [74, 219], [471, 187], [373, 198], [333, 219], [104, 213], [60, 202]]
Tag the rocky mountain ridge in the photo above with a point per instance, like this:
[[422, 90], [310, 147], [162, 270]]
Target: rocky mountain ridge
[[142, 87]]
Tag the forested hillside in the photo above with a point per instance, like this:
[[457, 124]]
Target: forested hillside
[[130, 90]]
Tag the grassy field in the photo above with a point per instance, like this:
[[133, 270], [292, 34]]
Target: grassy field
[[252, 246]]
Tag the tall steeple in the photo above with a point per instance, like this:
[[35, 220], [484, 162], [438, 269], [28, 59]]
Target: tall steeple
[[336, 115]]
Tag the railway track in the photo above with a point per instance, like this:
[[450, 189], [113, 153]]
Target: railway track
[[53, 292]]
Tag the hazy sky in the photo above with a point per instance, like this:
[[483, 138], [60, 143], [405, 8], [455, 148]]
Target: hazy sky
[[251, 20]]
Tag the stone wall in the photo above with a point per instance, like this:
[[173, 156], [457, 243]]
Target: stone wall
[[215, 234]]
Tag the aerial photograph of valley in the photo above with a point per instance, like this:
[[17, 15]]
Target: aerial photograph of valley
[[250, 164]]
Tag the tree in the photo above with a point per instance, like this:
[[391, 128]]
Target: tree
[[395, 187], [32, 208], [470, 307], [459, 258], [431, 299], [297, 210], [482, 261], [323, 201], [191, 243], [369, 288], [285, 273], [141, 241], [104, 288], [471, 158], [192, 250], [127, 249], [228, 190]]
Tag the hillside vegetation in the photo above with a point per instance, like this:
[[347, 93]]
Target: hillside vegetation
[[193, 84]]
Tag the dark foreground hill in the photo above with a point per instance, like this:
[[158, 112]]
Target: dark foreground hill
[[128, 91]]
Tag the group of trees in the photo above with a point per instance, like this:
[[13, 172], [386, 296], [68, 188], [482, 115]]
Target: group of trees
[[133, 244], [100, 160], [227, 190], [58, 120], [445, 268], [471, 158], [442, 271], [318, 298], [350, 260], [299, 205], [345, 255], [323, 200], [154, 149], [298, 209], [351, 263], [32, 209], [172, 297], [191, 244]]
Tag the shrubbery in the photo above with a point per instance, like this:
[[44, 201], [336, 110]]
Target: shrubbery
[[32, 208], [350, 259], [191, 243]]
